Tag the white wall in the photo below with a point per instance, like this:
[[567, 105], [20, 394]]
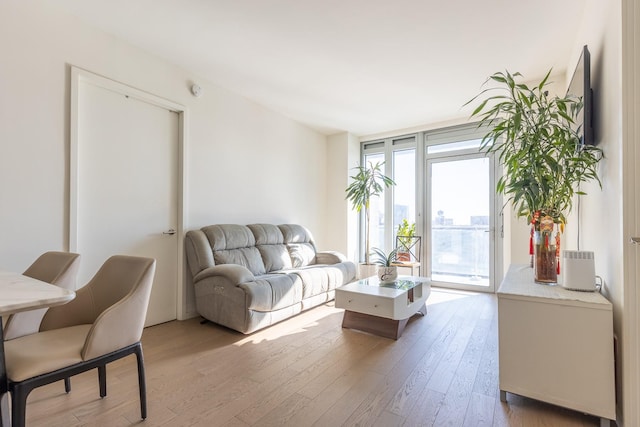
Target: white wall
[[245, 163], [601, 211], [344, 154]]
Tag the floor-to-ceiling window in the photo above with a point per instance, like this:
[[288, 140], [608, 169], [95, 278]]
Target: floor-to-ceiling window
[[399, 201], [446, 186]]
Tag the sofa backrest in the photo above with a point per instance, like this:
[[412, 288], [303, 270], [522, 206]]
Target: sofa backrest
[[270, 243], [300, 244], [261, 248], [234, 244]]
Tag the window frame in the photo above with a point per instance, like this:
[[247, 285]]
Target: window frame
[[387, 146]]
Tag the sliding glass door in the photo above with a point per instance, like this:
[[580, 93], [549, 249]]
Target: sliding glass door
[[460, 216]]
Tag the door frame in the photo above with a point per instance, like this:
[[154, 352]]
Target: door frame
[[630, 323], [496, 227], [78, 76]]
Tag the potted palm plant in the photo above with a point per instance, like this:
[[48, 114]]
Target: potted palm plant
[[535, 138], [368, 182]]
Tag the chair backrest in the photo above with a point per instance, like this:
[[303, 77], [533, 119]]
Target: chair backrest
[[115, 302], [57, 268]]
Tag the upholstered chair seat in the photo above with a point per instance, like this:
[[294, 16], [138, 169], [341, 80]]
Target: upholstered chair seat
[[44, 352], [102, 324]]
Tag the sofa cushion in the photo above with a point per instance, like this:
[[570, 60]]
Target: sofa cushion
[[270, 243], [302, 254], [300, 244], [318, 278], [229, 236], [246, 257], [266, 234], [234, 244], [273, 292]]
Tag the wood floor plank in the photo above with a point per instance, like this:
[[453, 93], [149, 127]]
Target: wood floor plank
[[480, 411], [347, 357], [458, 393], [352, 384], [426, 409], [286, 414], [309, 371], [396, 379], [455, 351], [435, 341], [487, 379]]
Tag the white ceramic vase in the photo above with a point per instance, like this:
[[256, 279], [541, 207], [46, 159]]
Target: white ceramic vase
[[387, 274]]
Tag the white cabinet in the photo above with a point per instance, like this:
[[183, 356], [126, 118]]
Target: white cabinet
[[556, 345]]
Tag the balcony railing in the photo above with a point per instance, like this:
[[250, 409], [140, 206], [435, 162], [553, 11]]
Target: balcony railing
[[460, 251]]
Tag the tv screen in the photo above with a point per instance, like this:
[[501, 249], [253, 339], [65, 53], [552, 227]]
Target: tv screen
[[580, 86]]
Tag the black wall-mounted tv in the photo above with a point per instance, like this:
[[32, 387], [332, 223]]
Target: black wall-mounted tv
[[580, 86]]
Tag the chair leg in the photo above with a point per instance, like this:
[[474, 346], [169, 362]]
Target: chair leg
[[67, 385], [5, 419], [19, 406], [141, 382], [102, 380]]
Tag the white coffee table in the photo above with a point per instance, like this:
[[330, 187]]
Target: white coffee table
[[383, 309]]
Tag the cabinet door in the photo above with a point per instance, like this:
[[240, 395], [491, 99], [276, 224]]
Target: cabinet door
[[557, 353]]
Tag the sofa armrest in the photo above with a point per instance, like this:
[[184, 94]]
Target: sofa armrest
[[330, 257], [234, 273]]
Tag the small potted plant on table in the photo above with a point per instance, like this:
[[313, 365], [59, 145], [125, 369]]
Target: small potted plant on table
[[387, 272]]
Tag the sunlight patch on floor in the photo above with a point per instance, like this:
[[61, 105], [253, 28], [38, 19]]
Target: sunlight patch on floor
[[295, 325], [440, 295], [309, 319]]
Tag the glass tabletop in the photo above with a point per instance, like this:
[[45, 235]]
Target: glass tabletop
[[402, 282]]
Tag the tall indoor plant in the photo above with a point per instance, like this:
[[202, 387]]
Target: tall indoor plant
[[535, 138], [367, 183]]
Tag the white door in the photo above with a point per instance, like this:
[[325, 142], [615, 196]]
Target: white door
[[126, 185]]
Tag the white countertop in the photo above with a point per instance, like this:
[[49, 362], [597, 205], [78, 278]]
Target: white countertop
[[519, 283]]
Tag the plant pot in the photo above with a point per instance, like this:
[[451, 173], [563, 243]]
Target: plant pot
[[387, 274], [403, 257], [545, 256]]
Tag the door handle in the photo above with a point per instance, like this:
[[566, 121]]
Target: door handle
[[170, 232], [635, 240]]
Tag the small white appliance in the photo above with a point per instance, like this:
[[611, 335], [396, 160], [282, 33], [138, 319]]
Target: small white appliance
[[578, 271]]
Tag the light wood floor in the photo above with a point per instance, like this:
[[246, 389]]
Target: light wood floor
[[309, 371]]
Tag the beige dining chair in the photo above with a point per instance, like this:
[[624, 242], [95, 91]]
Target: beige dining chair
[[57, 268], [102, 324]]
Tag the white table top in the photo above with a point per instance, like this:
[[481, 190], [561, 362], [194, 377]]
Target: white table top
[[372, 286], [21, 293]]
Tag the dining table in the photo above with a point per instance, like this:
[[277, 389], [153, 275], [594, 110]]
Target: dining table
[[22, 293]]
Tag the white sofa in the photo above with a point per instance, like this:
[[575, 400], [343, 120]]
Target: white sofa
[[248, 277]]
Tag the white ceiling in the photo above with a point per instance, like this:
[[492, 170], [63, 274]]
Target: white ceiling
[[362, 66]]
